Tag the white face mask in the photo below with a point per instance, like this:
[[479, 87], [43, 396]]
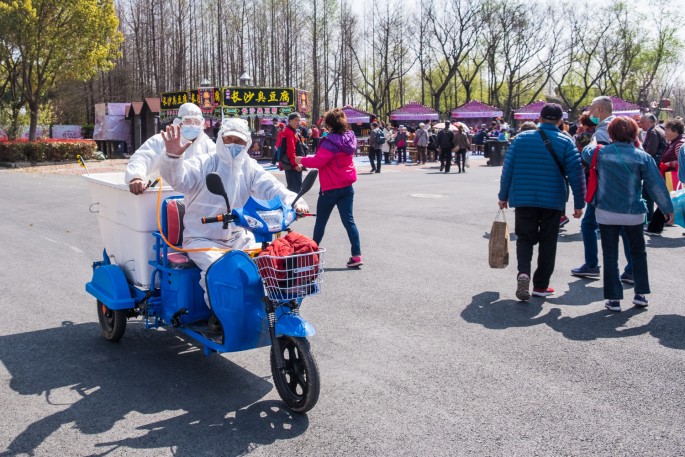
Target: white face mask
[[190, 132], [234, 149]]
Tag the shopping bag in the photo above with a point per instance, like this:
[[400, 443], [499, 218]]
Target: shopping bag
[[671, 178], [678, 199], [467, 161], [498, 248]]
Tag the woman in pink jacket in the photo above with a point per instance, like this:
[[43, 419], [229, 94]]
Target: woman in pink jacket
[[334, 160]]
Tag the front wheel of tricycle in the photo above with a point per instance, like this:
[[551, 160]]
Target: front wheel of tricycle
[[298, 382], [112, 322]]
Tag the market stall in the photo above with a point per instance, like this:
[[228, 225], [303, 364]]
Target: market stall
[[624, 108], [531, 112], [257, 105], [475, 113], [412, 114], [358, 120]]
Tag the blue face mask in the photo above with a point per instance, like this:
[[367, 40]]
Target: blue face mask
[[594, 120], [190, 132], [234, 149]]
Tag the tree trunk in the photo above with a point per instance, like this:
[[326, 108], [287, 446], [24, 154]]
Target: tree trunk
[[34, 108]]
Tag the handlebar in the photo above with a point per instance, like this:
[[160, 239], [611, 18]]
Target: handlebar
[[217, 218]]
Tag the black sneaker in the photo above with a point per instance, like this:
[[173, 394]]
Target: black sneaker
[[640, 301], [586, 272], [613, 305], [627, 278]]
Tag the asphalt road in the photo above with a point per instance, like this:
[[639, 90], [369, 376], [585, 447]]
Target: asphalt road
[[423, 352]]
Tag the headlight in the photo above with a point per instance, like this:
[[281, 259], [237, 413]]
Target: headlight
[[253, 223]]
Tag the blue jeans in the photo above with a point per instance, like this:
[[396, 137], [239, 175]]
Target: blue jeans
[[588, 228], [636, 241], [344, 199]]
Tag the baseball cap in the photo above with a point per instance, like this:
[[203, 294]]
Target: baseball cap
[[551, 112]]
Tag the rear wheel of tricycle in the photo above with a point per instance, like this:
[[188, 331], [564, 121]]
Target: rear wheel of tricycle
[[298, 382], [112, 322]]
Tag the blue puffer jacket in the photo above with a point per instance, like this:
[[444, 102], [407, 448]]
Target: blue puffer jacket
[[531, 177]]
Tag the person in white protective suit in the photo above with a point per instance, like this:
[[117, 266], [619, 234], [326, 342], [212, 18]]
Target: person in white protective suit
[[243, 178], [144, 164]]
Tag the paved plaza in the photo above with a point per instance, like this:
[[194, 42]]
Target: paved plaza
[[424, 351]]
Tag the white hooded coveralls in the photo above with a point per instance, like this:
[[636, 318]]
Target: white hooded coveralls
[[243, 178], [144, 163]]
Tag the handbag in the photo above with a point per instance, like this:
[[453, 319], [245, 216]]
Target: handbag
[[548, 144], [593, 178], [678, 200], [498, 245]]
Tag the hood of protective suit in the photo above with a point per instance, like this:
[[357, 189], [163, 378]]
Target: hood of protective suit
[[189, 109], [238, 128]]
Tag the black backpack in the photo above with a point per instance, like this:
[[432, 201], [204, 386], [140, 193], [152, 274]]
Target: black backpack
[[380, 136]]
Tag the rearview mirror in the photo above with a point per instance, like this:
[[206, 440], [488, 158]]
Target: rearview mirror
[[307, 184], [216, 186]]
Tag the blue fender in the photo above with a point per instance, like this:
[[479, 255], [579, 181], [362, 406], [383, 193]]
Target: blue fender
[[109, 285], [289, 324]]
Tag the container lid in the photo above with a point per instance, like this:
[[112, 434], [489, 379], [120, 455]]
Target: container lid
[[116, 181]]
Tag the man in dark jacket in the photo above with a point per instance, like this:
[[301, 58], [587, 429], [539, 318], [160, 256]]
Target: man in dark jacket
[[446, 144], [654, 145], [375, 149], [533, 181], [291, 146]]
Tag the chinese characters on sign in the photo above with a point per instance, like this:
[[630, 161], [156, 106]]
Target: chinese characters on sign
[[173, 100], [258, 97], [237, 101]]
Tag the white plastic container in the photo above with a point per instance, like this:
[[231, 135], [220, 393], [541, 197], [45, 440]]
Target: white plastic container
[[126, 223]]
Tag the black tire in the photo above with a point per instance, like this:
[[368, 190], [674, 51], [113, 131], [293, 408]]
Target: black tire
[[112, 322], [298, 384]]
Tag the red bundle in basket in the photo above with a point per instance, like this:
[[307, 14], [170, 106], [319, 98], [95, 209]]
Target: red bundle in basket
[[282, 264]]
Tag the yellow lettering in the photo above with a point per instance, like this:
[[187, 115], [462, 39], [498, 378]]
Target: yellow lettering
[[260, 97], [249, 95], [235, 97], [272, 96], [285, 96]]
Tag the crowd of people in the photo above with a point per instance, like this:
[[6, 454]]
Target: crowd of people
[[618, 165]]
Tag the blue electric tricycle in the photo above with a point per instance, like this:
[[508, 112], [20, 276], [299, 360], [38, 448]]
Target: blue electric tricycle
[[248, 309]]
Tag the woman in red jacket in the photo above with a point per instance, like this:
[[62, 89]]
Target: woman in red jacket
[[334, 160]]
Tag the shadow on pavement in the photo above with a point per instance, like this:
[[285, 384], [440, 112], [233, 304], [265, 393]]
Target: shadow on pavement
[[215, 403], [662, 242], [489, 311], [578, 294]]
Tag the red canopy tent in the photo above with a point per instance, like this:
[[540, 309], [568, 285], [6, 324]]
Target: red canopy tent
[[475, 113], [413, 113], [531, 112]]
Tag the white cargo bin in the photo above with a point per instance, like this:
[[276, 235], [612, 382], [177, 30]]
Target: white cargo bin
[[126, 223]]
